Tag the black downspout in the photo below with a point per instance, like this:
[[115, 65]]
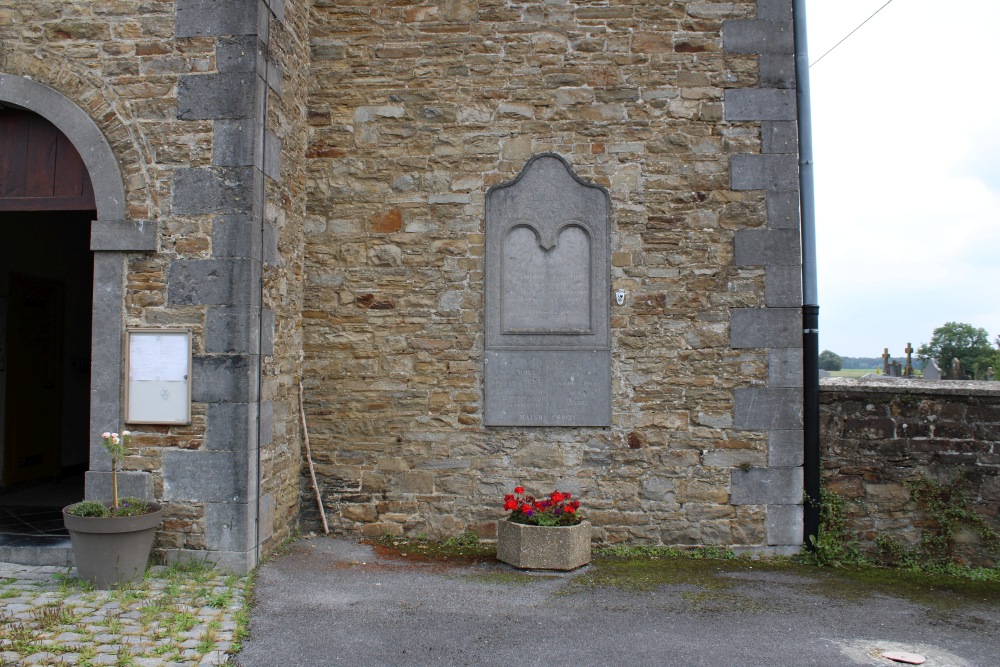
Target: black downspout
[[810, 302]]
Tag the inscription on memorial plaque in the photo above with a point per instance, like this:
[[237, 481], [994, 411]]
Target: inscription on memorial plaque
[[548, 358]]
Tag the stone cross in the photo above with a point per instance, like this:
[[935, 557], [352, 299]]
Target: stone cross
[[885, 361], [909, 360]]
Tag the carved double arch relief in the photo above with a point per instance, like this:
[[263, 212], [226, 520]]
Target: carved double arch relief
[[548, 359]]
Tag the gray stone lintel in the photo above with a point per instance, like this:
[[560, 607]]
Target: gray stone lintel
[[199, 18], [784, 448], [767, 247], [123, 235], [749, 36], [209, 476], [779, 136], [759, 104], [99, 486], [784, 367], [229, 190], [766, 408], [766, 486], [224, 378], [217, 96], [783, 287], [765, 172], [784, 525], [223, 282], [765, 327]]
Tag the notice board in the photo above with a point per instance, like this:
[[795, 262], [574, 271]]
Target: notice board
[[158, 368]]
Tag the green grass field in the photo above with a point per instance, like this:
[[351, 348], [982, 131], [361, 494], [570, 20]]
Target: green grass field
[[851, 372]]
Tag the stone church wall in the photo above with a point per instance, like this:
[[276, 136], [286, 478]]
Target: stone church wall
[[684, 112], [203, 105]]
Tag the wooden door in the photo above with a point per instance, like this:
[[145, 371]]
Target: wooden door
[[33, 412]]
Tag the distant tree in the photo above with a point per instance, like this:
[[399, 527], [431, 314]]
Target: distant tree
[[830, 361], [969, 344]]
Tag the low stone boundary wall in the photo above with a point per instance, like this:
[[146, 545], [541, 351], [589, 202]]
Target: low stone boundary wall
[[878, 434]]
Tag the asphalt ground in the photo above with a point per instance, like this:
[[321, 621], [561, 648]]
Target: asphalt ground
[[334, 602]]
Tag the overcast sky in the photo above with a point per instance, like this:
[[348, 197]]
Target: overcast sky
[[906, 131]]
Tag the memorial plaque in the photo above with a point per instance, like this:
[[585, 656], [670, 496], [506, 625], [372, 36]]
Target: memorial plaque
[[548, 358]]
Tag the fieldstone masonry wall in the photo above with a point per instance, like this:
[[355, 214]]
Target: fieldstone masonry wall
[[303, 185], [685, 112], [877, 435], [202, 105]]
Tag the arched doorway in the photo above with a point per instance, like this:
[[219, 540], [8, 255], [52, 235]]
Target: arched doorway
[[46, 277]]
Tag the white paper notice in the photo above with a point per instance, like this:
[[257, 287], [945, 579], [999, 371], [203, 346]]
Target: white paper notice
[[158, 357]]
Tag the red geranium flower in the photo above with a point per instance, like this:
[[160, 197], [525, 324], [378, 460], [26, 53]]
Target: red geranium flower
[[555, 510], [518, 490]]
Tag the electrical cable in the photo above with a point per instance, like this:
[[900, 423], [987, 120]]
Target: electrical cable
[[851, 33]]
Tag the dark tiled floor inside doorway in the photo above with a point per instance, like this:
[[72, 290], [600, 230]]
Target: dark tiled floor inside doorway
[[35, 510]]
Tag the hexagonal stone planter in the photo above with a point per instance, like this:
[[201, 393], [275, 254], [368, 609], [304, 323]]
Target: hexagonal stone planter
[[543, 547]]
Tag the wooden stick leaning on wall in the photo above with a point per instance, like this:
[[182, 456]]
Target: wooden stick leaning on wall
[[309, 458]]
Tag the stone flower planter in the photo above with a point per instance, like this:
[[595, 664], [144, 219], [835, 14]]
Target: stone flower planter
[[112, 550], [543, 547]]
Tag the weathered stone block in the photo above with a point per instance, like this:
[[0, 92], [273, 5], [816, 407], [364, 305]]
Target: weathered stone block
[[229, 526], [231, 330], [784, 367], [234, 142], [208, 476], [774, 10], [768, 247], [779, 137], [230, 426], [236, 236], [217, 96], [98, 484], [224, 378], [784, 448], [759, 104], [765, 172], [760, 36], [239, 54], [784, 525], [783, 287], [766, 486], [220, 282], [196, 18], [765, 327], [777, 71], [762, 409], [216, 190], [783, 209]]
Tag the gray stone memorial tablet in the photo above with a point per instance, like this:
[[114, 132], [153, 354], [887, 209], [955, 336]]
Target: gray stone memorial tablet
[[548, 358]]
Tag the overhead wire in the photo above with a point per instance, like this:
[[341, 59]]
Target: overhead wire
[[850, 33]]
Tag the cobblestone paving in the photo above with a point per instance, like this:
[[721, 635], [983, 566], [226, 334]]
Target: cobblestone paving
[[180, 615]]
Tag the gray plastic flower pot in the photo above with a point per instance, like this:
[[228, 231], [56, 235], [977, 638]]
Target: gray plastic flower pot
[[112, 550], [543, 547]]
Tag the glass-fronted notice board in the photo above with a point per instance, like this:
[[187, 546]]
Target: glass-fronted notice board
[[158, 363]]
